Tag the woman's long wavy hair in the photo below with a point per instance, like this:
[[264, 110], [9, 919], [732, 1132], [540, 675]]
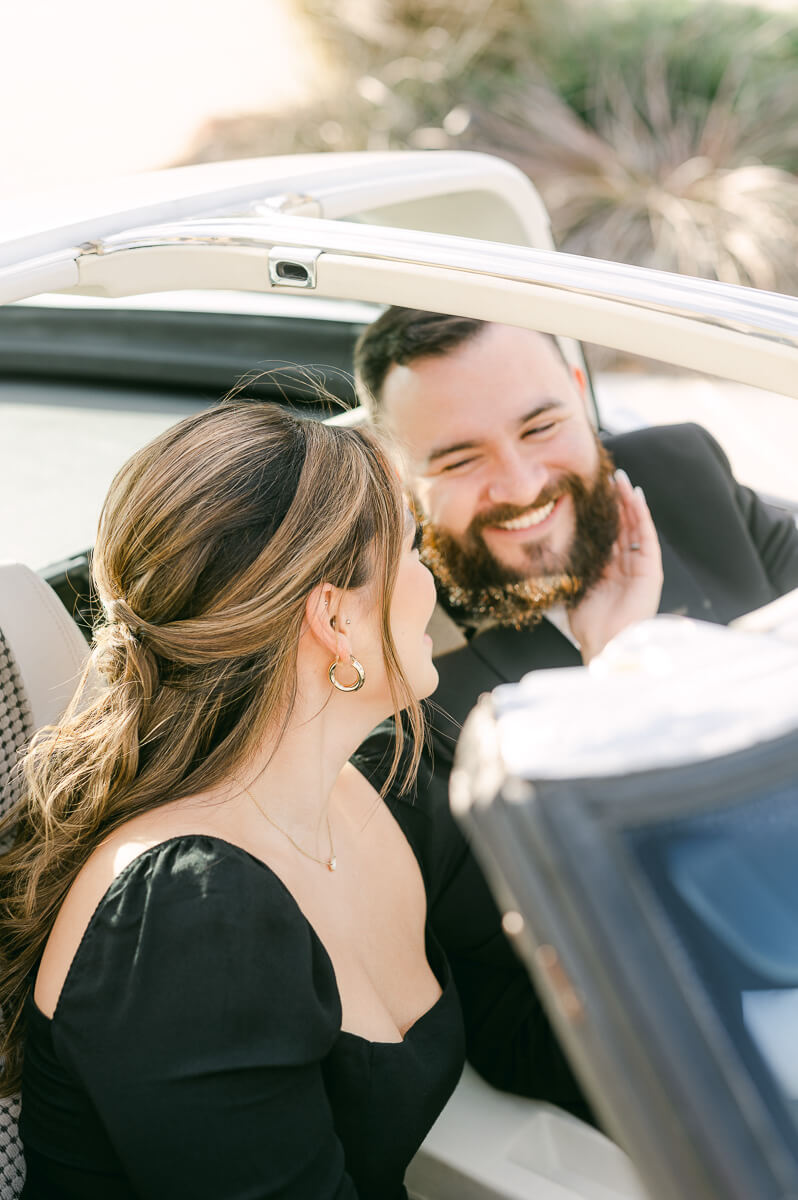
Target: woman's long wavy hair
[[210, 541]]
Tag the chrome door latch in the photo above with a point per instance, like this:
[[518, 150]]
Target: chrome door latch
[[292, 267]]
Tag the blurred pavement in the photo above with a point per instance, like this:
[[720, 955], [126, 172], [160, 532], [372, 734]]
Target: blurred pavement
[[757, 429]]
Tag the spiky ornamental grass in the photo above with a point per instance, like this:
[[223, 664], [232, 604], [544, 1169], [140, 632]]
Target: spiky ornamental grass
[[663, 134], [679, 164]]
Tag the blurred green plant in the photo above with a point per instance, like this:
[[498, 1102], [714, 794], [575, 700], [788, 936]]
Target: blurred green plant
[[677, 147], [660, 133], [396, 70]]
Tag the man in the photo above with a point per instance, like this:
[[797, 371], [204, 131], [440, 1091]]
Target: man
[[522, 529]]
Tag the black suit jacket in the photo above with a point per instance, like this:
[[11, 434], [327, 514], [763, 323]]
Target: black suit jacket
[[724, 553]]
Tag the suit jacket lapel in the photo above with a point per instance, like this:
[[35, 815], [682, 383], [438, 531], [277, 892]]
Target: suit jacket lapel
[[511, 653], [504, 655], [496, 656], [681, 592]]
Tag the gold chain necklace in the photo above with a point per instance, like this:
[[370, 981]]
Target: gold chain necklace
[[330, 863]]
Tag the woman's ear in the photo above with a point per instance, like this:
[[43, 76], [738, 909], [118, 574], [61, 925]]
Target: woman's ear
[[323, 621]]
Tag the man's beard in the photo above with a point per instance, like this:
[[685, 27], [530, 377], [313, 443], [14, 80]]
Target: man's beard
[[478, 587]]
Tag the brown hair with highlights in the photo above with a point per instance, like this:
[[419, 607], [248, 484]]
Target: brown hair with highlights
[[210, 541]]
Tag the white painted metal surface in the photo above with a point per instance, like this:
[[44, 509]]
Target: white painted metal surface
[[664, 692], [737, 333], [328, 185]]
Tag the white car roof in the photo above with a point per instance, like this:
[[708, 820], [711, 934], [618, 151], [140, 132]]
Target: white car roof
[[455, 232], [320, 185]]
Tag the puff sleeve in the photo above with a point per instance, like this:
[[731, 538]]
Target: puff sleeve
[[196, 1014]]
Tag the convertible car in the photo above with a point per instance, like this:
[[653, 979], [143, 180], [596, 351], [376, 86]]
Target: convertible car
[[128, 308]]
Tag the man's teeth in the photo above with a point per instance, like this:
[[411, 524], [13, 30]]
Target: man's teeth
[[529, 519]]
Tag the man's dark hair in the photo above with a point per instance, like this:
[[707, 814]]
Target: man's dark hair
[[402, 335]]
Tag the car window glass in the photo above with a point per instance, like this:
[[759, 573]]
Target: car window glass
[[771, 1018], [744, 886], [728, 888]]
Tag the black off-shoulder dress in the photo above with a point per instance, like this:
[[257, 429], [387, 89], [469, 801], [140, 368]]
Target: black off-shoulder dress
[[197, 1050]]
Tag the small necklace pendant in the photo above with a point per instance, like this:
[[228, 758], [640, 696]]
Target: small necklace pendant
[[332, 864]]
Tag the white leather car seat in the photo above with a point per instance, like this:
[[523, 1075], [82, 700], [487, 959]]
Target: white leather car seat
[[42, 655]]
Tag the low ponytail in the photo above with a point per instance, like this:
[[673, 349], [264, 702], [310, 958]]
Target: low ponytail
[[210, 541]]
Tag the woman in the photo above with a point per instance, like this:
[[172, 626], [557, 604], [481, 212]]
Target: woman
[[213, 929]]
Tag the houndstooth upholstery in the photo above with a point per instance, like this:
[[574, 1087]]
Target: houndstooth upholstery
[[12, 1162], [41, 656], [16, 724], [16, 727]]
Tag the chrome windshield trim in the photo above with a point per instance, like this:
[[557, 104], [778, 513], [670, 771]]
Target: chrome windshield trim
[[766, 315]]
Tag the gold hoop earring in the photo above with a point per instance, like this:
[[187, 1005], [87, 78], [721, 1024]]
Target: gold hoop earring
[[348, 687]]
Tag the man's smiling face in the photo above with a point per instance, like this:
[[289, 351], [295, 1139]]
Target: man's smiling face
[[501, 455]]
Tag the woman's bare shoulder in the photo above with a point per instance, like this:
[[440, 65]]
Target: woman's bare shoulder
[[114, 854]]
